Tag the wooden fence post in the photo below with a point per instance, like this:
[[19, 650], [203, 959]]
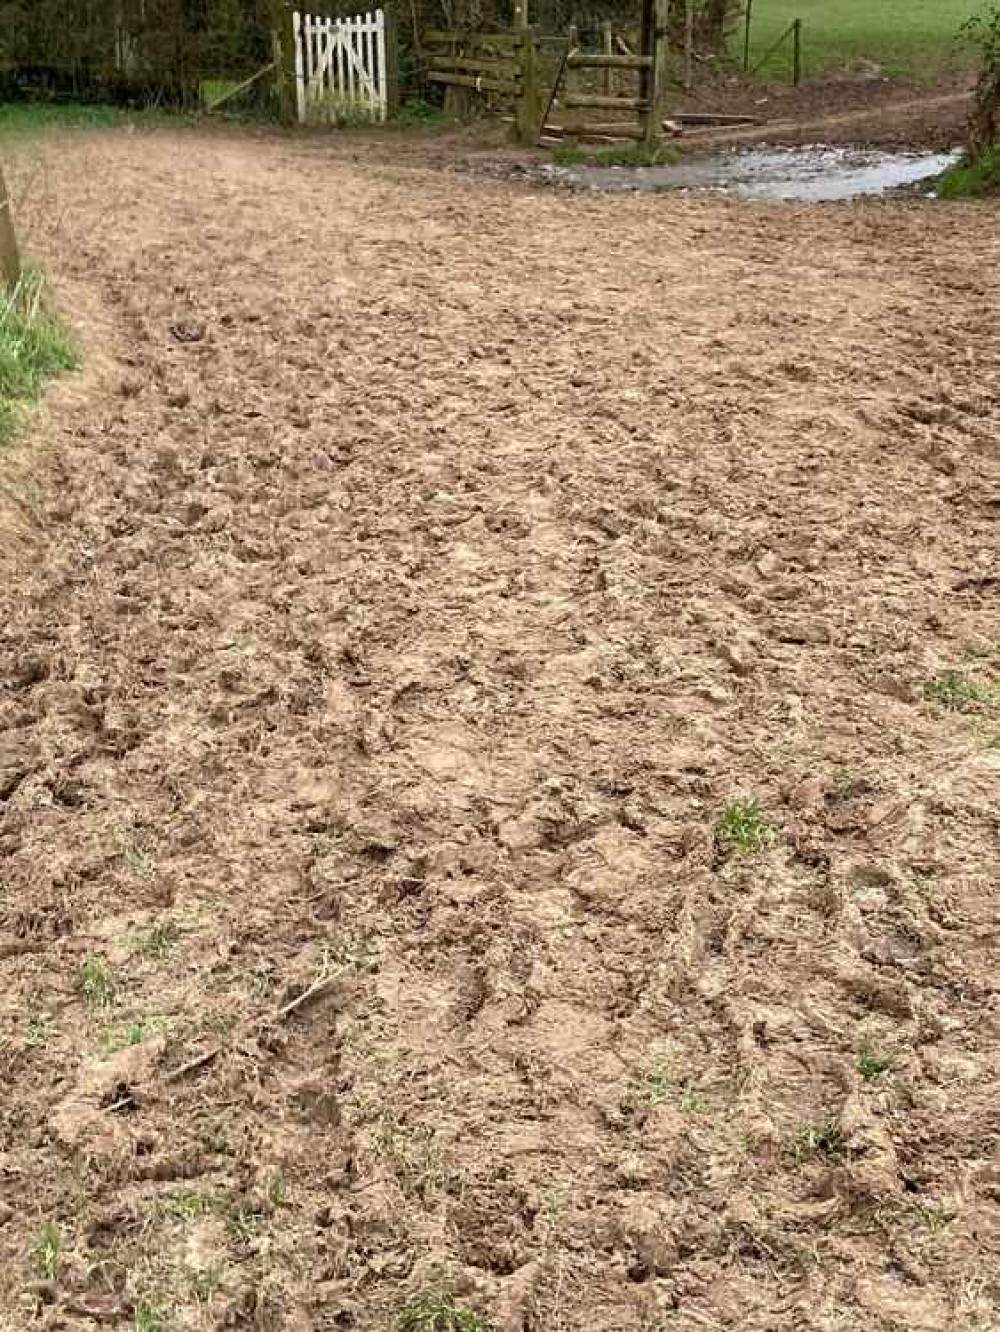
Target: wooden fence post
[[688, 45], [283, 51], [797, 52], [656, 21], [608, 50], [573, 40], [528, 105], [646, 20], [10, 255], [392, 62]]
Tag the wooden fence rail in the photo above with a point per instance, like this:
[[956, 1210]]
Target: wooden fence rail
[[579, 60]]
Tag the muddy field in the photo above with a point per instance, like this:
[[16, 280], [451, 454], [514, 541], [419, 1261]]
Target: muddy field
[[390, 616]]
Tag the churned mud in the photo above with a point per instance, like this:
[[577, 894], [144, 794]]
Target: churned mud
[[388, 622]]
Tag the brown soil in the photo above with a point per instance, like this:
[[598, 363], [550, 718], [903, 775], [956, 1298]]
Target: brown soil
[[842, 109], [426, 569]]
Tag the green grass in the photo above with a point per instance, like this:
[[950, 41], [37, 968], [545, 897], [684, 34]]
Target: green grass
[[439, 1313], [20, 120], [623, 155], [971, 178], [39, 1032], [149, 1317], [192, 1205], [915, 39], [159, 939], [33, 346], [742, 829], [97, 983], [871, 1066], [45, 1251], [956, 692], [417, 113], [414, 1156], [658, 1083], [116, 1038]]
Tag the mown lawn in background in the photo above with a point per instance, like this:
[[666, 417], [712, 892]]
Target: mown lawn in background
[[915, 39]]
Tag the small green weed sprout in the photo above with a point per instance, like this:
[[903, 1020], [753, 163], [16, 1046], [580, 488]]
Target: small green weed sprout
[[658, 1084], [158, 941], [149, 1317], [98, 983], [46, 1250], [742, 829], [439, 1313], [871, 1066], [956, 692]]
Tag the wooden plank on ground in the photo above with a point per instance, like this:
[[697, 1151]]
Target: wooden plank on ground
[[589, 129]]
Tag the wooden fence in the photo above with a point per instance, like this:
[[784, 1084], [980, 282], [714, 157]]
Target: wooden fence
[[498, 68], [513, 66]]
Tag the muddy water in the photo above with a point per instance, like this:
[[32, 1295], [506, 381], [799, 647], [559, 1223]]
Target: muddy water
[[810, 174]]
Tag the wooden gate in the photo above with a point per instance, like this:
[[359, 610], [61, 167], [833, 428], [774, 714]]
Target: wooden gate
[[644, 105], [341, 72]]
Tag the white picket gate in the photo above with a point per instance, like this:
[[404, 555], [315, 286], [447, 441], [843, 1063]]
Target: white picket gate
[[340, 67]]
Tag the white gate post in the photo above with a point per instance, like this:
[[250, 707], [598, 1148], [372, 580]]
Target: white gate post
[[383, 84], [300, 79]]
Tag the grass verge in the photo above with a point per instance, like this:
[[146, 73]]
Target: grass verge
[[972, 177], [33, 346], [25, 119]]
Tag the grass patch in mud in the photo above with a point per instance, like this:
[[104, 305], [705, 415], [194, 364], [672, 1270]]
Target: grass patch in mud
[[33, 347], [150, 1317], [957, 692], [439, 1313], [97, 983], [628, 155], [872, 1065], [742, 829], [972, 177], [46, 1250]]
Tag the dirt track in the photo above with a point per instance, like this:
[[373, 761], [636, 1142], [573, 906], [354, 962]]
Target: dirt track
[[422, 567]]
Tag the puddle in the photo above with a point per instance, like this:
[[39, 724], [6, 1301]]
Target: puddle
[[803, 175]]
